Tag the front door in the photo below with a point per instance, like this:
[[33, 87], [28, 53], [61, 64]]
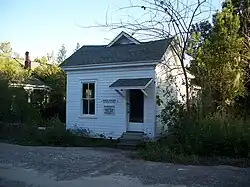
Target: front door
[[135, 110]]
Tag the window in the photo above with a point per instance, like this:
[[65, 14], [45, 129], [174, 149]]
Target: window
[[88, 98]]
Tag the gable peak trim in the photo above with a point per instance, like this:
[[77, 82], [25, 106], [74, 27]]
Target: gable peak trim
[[129, 37]]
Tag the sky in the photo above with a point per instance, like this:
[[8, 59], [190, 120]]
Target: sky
[[42, 26]]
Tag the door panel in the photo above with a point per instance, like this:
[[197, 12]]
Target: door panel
[[136, 104], [136, 110]]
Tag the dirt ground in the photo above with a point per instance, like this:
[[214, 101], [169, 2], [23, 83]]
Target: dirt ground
[[22, 166]]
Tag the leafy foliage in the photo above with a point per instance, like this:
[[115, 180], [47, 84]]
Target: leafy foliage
[[5, 48], [218, 67], [12, 72], [214, 127], [55, 78], [52, 75], [200, 33], [14, 104]]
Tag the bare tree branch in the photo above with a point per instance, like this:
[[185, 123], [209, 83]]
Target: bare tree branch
[[163, 19]]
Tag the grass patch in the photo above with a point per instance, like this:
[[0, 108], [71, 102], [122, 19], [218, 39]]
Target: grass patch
[[161, 153], [53, 136]]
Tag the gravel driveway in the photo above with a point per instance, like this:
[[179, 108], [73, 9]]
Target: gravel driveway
[[52, 166]]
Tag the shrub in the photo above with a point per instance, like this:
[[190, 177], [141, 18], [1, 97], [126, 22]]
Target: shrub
[[53, 134], [213, 135], [14, 106]]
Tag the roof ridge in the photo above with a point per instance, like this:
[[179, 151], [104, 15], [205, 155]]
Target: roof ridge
[[157, 40], [130, 43]]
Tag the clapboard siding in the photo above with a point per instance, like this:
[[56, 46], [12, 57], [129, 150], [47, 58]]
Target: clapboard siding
[[110, 126], [167, 85], [169, 78]]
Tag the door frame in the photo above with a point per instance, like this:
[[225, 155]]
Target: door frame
[[139, 127]]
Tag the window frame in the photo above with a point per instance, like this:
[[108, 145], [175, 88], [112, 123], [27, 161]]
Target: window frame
[[82, 99]]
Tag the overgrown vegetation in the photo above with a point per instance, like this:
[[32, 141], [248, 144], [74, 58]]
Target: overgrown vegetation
[[216, 129], [50, 133], [47, 102], [40, 120], [196, 138]]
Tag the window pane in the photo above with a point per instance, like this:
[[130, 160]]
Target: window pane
[[85, 106], [84, 90], [92, 90], [92, 106]]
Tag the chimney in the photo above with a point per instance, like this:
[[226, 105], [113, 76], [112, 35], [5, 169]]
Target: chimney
[[27, 64]]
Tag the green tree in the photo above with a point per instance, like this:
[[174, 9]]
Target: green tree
[[5, 48], [200, 32], [36, 59], [242, 9], [52, 75], [14, 106], [220, 69], [55, 78], [9, 66], [61, 54], [42, 60]]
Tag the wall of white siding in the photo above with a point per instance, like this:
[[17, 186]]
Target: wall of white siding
[[110, 126], [169, 85]]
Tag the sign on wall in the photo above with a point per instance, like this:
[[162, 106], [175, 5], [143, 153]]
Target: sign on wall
[[109, 100], [109, 110]]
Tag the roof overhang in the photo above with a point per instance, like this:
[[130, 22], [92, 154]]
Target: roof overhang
[[131, 84], [128, 84], [111, 65], [29, 86]]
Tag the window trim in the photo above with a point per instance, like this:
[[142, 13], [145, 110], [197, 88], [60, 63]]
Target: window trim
[[81, 99]]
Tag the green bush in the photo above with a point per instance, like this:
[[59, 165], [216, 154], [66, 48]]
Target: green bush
[[160, 152], [200, 132], [213, 135], [54, 134], [14, 107]]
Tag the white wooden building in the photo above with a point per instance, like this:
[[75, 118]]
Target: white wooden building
[[112, 88]]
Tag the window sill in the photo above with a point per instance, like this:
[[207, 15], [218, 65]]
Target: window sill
[[88, 116]]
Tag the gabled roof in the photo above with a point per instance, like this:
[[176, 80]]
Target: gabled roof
[[112, 54], [123, 36]]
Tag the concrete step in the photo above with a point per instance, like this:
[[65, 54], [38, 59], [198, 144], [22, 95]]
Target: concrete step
[[132, 135], [135, 141], [130, 140], [127, 146], [134, 138]]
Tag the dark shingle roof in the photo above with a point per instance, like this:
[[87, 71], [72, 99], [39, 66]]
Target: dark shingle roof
[[88, 55], [139, 82]]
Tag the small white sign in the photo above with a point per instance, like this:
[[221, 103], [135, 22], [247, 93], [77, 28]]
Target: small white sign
[[109, 100], [109, 110]]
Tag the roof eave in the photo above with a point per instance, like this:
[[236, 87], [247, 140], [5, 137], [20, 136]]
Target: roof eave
[[111, 65]]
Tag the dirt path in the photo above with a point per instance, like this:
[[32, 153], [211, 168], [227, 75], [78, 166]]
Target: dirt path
[[52, 166]]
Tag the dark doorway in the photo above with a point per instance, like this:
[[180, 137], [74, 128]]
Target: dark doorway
[[136, 100]]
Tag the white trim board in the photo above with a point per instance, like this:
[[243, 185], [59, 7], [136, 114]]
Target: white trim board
[[113, 65], [133, 40]]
